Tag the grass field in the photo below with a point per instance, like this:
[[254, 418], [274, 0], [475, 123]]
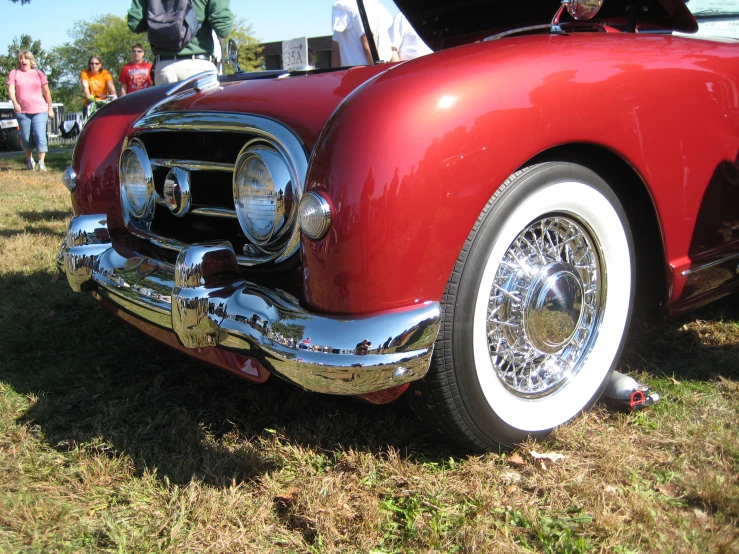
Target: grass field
[[110, 442]]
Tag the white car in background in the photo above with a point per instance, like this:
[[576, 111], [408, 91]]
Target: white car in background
[[9, 129], [717, 19]]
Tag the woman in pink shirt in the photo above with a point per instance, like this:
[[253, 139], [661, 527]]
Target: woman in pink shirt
[[29, 91]]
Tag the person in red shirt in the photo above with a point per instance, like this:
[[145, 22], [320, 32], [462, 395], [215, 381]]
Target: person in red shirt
[[137, 74]]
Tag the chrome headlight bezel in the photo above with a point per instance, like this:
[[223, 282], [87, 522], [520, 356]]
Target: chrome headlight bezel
[[277, 232], [142, 212]]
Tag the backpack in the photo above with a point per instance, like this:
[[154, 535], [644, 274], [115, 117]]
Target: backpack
[[172, 24]]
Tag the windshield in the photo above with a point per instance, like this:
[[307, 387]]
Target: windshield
[[714, 8]]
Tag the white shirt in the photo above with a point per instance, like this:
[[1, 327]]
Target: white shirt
[[348, 30], [405, 40]]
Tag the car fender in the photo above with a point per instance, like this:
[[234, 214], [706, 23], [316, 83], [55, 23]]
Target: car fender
[[98, 150], [409, 160]]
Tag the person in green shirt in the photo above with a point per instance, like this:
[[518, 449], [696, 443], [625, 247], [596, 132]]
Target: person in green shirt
[[197, 55]]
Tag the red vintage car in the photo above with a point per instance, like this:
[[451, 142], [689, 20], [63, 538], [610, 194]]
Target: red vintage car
[[471, 228]]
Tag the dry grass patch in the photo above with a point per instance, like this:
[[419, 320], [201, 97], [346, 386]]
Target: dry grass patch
[[109, 442]]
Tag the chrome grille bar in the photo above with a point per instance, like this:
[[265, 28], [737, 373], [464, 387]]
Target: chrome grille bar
[[205, 211], [215, 212], [193, 165]]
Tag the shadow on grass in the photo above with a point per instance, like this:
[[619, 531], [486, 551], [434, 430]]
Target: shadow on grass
[[46, 215], [676, 347], [39, 216], [56, 159], [102, 385], [35, 230], [99, 382]]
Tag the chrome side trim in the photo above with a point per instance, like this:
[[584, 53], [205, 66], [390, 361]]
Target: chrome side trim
[[192, 165], [204, 300], [709, 265]]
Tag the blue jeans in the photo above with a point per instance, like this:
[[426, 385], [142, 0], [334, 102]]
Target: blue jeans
[[36, 123]]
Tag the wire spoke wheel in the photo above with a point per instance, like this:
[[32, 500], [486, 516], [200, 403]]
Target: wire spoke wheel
[[544, 306]]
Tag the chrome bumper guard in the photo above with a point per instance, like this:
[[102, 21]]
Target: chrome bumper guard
[[204, 300]]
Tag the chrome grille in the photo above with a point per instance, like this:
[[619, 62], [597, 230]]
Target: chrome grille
[[207, 146]]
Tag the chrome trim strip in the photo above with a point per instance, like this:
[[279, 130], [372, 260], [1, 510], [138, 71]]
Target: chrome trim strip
[[520, 30], [228, 122], [192, 165], [204, 300], [223, 213], [215, 212], [201, 81], [709, 265], [176, 246]]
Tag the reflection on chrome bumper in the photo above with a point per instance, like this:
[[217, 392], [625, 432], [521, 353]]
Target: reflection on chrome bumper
[[206, 302]]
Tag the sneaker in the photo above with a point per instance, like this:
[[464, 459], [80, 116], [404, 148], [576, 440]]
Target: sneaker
[[30, 165], [41, 166]]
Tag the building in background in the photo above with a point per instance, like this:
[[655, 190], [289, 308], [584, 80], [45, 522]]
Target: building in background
[[319, 53]]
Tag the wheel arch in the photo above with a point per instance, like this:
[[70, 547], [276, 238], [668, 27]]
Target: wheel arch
[[652, 279]]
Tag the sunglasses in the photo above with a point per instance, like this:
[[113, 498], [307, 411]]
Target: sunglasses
[[137, 51]]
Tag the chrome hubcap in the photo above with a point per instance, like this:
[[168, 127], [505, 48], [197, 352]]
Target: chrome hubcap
[[553, 307], [545, 306]]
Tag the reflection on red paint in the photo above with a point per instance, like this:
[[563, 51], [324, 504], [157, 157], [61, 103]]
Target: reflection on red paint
[[243, 366], [384, 396]]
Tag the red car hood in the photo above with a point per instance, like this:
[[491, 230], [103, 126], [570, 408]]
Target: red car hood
[[303, 103], [444, 23]]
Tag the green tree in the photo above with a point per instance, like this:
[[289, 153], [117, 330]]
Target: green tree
[[107, 37], [250, 51], [289, 330], [44, 61]]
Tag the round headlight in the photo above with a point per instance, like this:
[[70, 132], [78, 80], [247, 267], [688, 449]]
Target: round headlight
[[262, 190], [137, 181], [314, 214]]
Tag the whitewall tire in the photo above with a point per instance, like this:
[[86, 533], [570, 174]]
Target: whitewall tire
[[535, 312]]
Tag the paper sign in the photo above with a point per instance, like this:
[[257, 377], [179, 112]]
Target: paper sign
[[295, 54]]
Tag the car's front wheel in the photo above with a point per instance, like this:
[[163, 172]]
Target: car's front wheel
[[535, 312]]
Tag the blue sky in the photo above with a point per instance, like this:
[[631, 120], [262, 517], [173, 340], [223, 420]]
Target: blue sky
[[49, 20]]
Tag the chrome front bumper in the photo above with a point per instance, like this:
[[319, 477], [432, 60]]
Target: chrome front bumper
[[204, 300]]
